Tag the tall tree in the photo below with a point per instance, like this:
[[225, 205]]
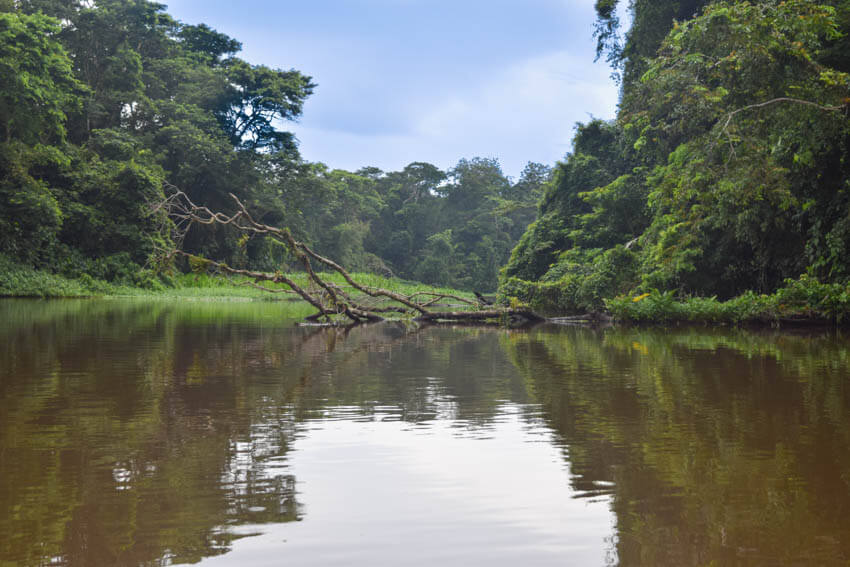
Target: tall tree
[[726, 169], [37, 89]]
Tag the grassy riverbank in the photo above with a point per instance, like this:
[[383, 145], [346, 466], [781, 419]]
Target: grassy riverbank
[[17, 280], [801, 301]]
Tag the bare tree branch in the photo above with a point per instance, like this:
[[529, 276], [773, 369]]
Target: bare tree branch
[[438, 296], [327, 297], [777, 100]]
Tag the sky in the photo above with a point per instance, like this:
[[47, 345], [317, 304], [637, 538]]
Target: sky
[[426, 80]]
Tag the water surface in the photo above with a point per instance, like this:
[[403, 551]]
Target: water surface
[[138, 432]]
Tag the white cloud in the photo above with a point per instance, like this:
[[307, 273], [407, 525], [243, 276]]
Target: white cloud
[[524, 113]]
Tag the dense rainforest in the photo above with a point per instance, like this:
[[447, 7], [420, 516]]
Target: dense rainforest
[[726, 169], [105, 103]]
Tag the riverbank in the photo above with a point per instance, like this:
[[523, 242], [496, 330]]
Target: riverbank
[[800, 302], [17, 280]]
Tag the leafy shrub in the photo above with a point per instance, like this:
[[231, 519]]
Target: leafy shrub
[[24, 281], [579, 282], [802, 299]]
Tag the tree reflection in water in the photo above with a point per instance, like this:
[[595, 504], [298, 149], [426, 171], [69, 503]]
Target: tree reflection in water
[[140, 432], [727, 446]]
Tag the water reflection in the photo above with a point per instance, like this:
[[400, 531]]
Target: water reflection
[[155, 433], [724, 446], [158, 433], [122, 428]]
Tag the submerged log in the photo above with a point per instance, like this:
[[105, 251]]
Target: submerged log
[[586, 319], [514, 315]]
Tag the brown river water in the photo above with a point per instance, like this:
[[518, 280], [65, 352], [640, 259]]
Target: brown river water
[[154, 432]]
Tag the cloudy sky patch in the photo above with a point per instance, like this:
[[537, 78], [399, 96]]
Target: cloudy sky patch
[[427, 80]]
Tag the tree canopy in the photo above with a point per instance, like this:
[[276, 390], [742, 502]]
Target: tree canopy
[[725, 170], [103, 103]]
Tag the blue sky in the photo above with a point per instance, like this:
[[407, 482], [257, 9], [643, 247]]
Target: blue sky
[[426, 80]]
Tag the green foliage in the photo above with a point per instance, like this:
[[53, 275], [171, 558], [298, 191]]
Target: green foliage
[[452, 228], [98, 111], [37, 86], [578, 283], [651, 20], [31, 212], [726, 169], [576, 209], [23, 281], [811, 297], [803, 300], [206, 42], [729, 185], [258, 96]]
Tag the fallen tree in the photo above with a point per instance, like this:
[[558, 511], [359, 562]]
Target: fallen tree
[[331, 300], [512, 316]]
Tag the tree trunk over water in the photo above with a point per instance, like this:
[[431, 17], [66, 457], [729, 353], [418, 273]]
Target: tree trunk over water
[[330, 300]]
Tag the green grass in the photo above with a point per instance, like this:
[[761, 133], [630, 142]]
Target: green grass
[[204, 285], [803, 300], [17, 280]]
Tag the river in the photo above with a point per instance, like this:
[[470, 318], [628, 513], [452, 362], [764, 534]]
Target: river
[[157, 432]]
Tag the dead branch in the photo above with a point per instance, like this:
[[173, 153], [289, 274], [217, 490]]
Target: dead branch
[[372, 308], [827, 108], [724, 130], [261, 276], [517, 315], [264, 288], [438, 296], [374, 292], [328, 298]]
